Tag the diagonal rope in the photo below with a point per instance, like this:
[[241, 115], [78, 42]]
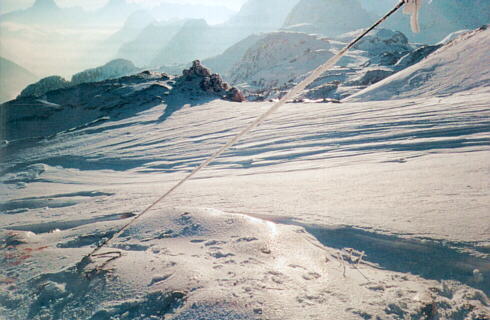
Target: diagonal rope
[[290, 95]]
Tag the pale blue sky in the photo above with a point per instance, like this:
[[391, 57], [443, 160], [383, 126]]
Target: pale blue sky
[[9, 5]]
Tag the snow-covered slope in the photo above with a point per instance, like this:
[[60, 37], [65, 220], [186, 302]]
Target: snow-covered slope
[[460, 65], [13, 78], [279, 57], [274, 229], [225, 62], [277, 60]]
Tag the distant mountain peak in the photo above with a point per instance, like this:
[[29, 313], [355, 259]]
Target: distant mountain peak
[[45, 4]]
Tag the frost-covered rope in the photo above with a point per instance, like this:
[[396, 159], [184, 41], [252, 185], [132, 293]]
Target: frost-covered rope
[[290, 95]]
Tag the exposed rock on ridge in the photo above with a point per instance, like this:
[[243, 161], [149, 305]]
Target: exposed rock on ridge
[[212, 82]]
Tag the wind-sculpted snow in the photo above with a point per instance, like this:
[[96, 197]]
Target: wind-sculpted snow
[[143, 149], [305, 133], [461, 64], [272, 250]]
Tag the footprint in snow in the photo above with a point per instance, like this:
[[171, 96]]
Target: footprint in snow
[[159, 279], [311, 276], [214, 243], [247, 239], [220, 255]]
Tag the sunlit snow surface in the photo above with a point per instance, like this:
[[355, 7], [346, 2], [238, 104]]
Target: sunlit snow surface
[[262, 233]]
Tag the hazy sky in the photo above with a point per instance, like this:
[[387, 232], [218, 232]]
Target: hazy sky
[[9, 5]]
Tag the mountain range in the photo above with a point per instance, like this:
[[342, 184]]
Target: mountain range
[[198, 39], [172, 44]]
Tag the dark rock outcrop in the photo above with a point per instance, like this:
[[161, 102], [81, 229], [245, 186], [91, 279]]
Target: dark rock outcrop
[[416, 56], [196, 70], [371, 76], [212, 82], [235, 95]]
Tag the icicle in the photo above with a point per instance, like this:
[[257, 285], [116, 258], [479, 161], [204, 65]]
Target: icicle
[[412, 8]]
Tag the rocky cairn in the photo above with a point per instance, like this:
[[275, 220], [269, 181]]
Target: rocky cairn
[[212, 82]]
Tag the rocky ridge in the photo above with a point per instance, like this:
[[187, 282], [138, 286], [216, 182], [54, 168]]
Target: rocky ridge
[[54, 105], [45, 85], [113, 69]]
